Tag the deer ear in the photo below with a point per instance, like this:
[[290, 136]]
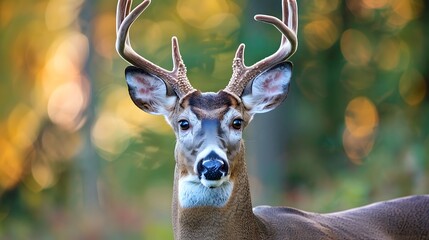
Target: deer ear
[[150, 93], [268, 90]]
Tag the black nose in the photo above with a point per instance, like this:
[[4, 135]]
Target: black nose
[[212, 167]]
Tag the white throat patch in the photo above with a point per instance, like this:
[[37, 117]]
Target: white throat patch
[[194, 194]]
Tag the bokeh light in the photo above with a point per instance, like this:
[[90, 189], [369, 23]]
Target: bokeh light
[[12, 165], [210, 14], [356, 47], [111, 143], [361, 121], [105, 35], [388, 54], [375, 4], [43, 175], [403, 11], [361, 117], [320, 34], [412, 87], [65, 105], [325, 6], [61, 13]]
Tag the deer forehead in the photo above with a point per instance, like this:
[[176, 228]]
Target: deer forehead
[[210, 105]]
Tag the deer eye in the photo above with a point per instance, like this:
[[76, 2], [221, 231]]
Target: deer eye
[[237, 123], [184, 124]]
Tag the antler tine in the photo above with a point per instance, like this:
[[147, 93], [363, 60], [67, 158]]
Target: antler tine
[[124, 19], [123, 9], [242, 74]]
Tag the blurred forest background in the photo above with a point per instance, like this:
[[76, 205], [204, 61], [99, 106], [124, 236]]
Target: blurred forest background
[[79, 161]]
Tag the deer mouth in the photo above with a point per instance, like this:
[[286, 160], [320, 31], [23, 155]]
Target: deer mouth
[[214, 183], [196, 192]]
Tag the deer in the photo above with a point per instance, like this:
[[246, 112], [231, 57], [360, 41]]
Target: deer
[[211, 193]]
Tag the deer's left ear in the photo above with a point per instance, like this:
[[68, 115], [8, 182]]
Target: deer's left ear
[[268, 90]]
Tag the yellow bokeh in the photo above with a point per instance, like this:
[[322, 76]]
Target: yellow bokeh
[[43, 175], [64, 61], [361, 120], [403, 11], [356, 47], [125, 120], [22, 126], [376, 3], [326, 6], [361, 117], [210, 14], [412, 87], [357, 147], [320, 34], [111, 135], [105, 35], [12, 166], [66, 104], [388, 54], [61, 13]]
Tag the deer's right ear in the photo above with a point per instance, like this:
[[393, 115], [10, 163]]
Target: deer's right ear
[[149, 93]]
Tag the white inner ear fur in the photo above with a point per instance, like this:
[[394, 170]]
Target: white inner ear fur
[[267, 90], [150, 91]]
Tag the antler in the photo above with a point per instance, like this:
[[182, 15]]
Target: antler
[[176, 78], [242, 74]]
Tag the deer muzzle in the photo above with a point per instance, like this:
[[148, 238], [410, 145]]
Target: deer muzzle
[[211, 169]]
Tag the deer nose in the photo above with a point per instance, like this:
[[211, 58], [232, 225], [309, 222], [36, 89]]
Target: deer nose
[[212, 167]]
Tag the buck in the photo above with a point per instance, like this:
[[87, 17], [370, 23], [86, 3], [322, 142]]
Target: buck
[[211, 197]]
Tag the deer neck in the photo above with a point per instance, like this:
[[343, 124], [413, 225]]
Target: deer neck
[[235, 220]]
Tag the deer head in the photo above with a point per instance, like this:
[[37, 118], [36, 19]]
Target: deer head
[[208, 126]]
